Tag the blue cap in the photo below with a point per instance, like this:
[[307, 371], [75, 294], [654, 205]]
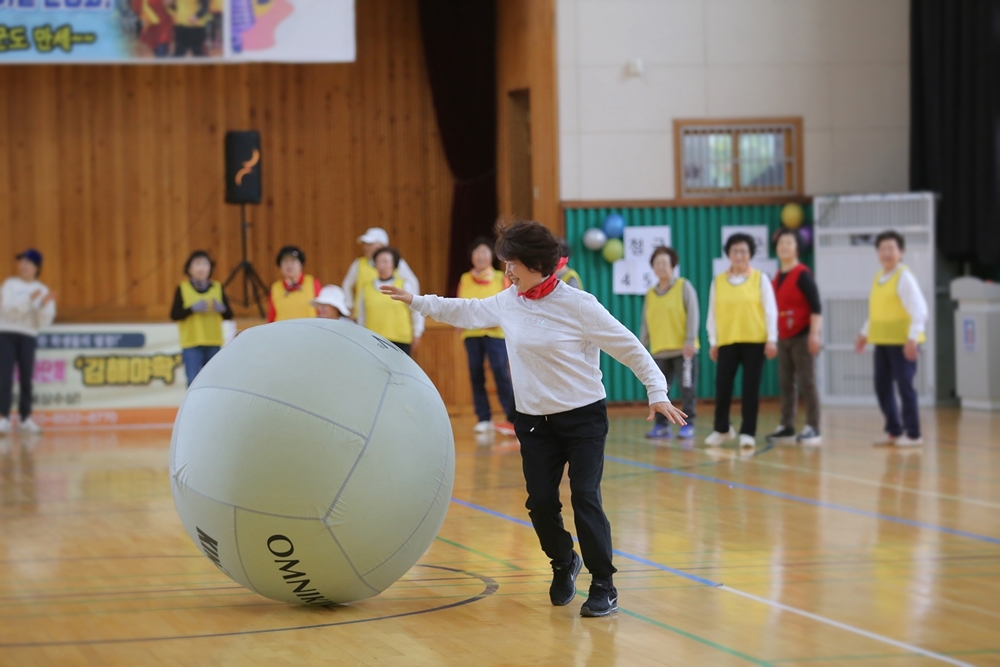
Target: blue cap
[[32, 256]]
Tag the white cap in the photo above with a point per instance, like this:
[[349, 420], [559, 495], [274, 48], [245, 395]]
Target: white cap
[[331, 295], [374, 235]]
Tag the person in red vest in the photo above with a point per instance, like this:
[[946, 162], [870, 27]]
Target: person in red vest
[[800, 322]]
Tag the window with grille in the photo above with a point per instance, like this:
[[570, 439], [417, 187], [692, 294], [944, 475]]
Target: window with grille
[[738, 158]]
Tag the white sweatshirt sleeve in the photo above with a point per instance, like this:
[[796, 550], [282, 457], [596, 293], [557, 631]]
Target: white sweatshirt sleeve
[[462, 313], [914, 303], [710, 319], [350, 280], [770, 308], [614, 338]]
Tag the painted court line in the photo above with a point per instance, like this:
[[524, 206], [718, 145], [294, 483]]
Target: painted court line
[[770, 603], [808, 501]]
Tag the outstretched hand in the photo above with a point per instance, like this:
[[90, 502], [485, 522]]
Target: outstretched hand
[[397, 294], [667, 409]]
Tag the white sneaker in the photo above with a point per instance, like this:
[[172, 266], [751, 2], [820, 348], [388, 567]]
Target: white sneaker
[[716, 438], [29, 426], [483, 427], [747, 441], [809, 436], [4, 426], [907, 441]]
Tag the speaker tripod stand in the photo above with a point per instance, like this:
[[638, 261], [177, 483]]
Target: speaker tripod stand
[[252, 282]]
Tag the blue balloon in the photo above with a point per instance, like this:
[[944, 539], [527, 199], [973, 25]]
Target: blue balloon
[[614, 226]]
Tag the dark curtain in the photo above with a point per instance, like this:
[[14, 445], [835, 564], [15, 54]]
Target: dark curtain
[[955, 121], [460, 49]]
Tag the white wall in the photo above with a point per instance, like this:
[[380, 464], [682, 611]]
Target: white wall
[[843, 65]]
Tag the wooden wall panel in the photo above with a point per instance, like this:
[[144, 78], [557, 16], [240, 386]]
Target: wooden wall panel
[[115, 172], [526, 59]]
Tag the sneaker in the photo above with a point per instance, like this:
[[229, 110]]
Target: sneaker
[[782, 435], [5, 427], [747, 441], [503, 428], [601, 601], [29, 426], [888, 441], [907, 441], [483, 427], [686, 432], [716, 438], [563, 588], [809, 436], [660, 431]]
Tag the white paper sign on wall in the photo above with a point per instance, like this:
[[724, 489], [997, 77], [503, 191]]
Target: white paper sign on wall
[[633, 274], [640, 241], [759, 233]]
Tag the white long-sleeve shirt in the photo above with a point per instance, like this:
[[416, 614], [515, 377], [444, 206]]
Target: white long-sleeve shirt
[[913, 300], [21, 314], [553, 344], [411, 286], [350, 280], [766, 297]]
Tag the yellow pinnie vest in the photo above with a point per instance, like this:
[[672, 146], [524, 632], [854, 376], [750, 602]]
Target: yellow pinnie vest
[[366, 274], [569, 275], [468, 288], [666, 319], [201, 329], [293, 305], [739, 312], [888, 321], [389, 319]]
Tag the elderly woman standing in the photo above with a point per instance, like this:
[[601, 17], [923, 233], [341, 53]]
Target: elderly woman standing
[[742, 329], [554, 336]]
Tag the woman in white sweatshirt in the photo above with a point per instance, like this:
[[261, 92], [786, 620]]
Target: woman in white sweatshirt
[[26, 306], [554, 335]]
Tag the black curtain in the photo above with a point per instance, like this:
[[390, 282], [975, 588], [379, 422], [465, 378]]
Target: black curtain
[[955, 121], [460, 50]]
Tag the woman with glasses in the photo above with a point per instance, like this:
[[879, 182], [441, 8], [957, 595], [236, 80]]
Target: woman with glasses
[[742, 330]]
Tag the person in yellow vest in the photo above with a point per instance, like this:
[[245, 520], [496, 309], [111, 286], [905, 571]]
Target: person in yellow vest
[[742, 328], [199, 307], [379, 312], [481, 282], [563, 270], [897, 315], [291, 297], [669, 329], [362, 269]]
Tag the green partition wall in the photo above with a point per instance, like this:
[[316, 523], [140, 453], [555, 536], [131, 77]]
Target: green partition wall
[[696, 235]]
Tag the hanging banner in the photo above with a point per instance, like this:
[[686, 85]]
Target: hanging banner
[[107, 375], [176, 31]]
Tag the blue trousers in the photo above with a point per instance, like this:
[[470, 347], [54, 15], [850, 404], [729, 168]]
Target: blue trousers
[[478, 349], [195, 359], [893, 372]]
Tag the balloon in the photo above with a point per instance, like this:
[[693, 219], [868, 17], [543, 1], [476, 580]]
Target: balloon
[[614, 226], [806, 234], [594, 238], [614, 250], [791, 216]]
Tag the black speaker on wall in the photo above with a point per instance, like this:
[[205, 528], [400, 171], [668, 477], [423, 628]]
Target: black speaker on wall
[[243, 179]]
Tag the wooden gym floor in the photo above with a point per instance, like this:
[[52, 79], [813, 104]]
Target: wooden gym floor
[[839, 555]]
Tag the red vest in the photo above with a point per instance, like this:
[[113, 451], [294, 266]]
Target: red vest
[[794, 312]]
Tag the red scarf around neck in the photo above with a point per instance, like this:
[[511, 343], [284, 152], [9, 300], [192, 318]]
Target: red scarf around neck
[[542, 289]]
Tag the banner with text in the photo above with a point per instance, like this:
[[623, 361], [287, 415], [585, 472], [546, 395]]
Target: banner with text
[[176, 31], [107, 374]]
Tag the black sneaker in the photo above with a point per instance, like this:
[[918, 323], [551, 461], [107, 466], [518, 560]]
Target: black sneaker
[[782, 434], [810, 436], [602, 600], [563, 588]]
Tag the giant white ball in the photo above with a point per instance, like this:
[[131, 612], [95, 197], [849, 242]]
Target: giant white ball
[[312, 461]]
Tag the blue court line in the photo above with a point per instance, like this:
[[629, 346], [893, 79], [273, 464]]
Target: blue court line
[[807, 501], [617, 552]]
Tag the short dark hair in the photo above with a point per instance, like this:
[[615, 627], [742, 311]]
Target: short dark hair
[[291, 251], [788, 231], [391, 251], [195, 255], [891, 235], [564, 249], [478, 241], [740, 237], [669, 252], [530, 243]]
